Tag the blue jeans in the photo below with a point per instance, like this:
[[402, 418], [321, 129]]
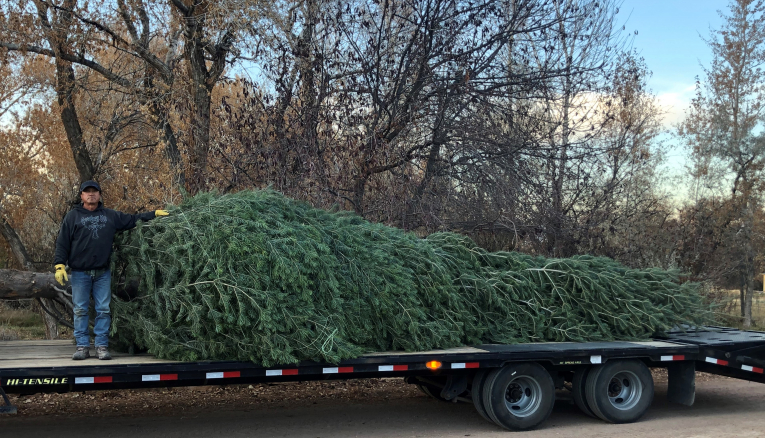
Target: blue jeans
[[85, 284]]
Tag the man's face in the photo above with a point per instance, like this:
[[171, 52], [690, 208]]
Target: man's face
[[90, 196]]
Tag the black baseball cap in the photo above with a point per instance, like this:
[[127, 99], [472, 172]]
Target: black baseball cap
[[89, 183]]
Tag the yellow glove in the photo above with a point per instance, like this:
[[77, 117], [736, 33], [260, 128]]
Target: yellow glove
[[158, 213], [61, 276]]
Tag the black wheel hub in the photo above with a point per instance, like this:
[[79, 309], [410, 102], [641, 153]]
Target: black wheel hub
[[514, 393], [615, 387]]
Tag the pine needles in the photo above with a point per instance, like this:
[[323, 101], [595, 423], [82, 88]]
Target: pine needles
[[256, 276]]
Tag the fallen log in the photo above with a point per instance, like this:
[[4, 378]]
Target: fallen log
[[20, 285]]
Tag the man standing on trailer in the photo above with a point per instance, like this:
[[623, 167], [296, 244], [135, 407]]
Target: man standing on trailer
[[85, 242]]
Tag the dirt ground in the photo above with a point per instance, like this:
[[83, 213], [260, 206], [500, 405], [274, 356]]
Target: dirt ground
[[363, 408], [193, 400]]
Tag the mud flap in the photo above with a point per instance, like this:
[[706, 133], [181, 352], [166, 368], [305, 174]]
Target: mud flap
[[681, 388]]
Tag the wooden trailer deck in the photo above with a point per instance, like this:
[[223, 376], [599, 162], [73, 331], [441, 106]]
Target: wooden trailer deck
[[48, 354], [58, 353]]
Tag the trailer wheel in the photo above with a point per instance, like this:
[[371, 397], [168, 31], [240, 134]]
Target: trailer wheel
[[476, 393], [619, 391], [578, 384], [519, 396]]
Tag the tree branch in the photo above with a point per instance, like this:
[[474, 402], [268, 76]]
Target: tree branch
[[77, 59]]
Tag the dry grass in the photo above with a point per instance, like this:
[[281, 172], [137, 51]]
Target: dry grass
[[731, 310], [20, 324]]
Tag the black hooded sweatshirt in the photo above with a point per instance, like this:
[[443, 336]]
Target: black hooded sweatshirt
[[86, 237]]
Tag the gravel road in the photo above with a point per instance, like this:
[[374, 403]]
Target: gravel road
[[378, 408]]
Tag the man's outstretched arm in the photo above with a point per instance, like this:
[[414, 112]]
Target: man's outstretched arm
[[125, 221]]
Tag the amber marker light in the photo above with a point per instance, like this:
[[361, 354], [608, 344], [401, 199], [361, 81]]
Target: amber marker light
[[433, 365]]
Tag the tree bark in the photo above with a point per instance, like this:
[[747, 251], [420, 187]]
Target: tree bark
[[24, 285], [206, 65], [20, 252], [748, 304], [57, 36], [742, 299], [17, 247], [431, 169], [20, 285]]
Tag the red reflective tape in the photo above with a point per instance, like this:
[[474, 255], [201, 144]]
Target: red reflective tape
[[716, 361], [228, 374], [291, 372], [678, 357], [471, 365], [168, 377], [102, 379], [758, 370], [400, 367], [345, 370]]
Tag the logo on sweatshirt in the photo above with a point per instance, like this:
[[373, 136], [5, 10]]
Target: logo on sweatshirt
[[94, 223]]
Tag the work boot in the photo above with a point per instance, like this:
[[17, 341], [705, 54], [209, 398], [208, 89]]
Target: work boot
[[81, 353], [103, 353]]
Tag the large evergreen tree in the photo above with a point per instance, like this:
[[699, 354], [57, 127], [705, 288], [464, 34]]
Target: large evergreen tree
[[257, 276]]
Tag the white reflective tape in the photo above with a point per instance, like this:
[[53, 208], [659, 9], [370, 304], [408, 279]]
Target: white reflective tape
[[385, 368], [78, 380], [596, 359], [666, 358], [273, 372], [458, 366], [214, 375], [711, 360], [330, 371], [747, 368], [150, 378]]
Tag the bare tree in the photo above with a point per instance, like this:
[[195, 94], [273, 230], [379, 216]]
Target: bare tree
[[140, 48], [722, 126]]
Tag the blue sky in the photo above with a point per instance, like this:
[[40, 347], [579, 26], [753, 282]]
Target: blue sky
[[669, 38]]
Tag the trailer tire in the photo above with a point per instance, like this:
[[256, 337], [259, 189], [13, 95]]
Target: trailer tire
[[619, 391], [519, 396], [578, 384], [476, 393]]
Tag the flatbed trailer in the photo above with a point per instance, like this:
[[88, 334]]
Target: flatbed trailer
[[513, 386]]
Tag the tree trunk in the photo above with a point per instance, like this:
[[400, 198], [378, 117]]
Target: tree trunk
[[20, 285], [164, 130], [359, 189], [57, 35], [748, 306], [742, 299], [20, 252], [25, 285], [748, 256], [310, 97], [17, 247], [431, 169], [65, 88], [748, 280], [200, 137], [203, 80], [49, 322]]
